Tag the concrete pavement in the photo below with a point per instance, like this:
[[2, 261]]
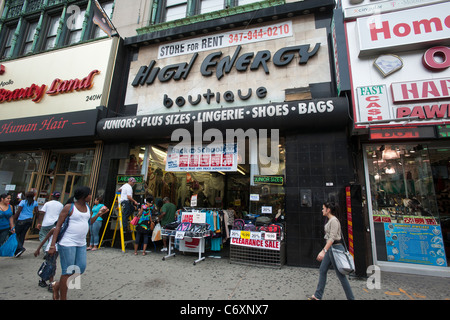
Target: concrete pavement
[[114, 275]]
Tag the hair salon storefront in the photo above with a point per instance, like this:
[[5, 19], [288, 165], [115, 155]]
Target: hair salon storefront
[[50, 107], [263, 94], [400, 87]]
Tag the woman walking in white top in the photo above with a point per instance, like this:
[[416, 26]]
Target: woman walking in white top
[[72, 245], [333, 238]]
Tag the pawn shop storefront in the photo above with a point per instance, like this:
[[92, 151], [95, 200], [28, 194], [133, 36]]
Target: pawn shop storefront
[[245, 124]]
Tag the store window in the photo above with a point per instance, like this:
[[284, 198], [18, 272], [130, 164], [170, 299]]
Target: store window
[[16, 170], [409, 187], [252, 190]]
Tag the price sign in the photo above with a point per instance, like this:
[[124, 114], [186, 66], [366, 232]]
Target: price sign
[[255, 235], [266, 209], [245, 234], [235, 234], [270, 236], [179, 235]]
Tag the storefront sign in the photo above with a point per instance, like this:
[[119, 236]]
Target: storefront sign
[[348, 200], [373, 103], [214, 63], [35, 92], [430, 89], [415, 243], [62, 125], [359, 8], [202, 158], [400, 133], [443, 131], [122, 179], [308, 114], [226, 39], [71, 79], [274, 180], [399, 30]]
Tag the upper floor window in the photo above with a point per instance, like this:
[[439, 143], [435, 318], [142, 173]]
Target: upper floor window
[[48, 24], [176, 9], [75, 27], [7, 45], [170, 10], [51, 32], [29, 37]]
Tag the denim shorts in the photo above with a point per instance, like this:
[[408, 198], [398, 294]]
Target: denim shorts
[[73, 259]]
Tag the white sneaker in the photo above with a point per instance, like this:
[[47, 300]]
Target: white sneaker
[[163, 249]]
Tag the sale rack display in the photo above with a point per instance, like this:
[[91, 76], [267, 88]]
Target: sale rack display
[[192, 229], [257, 245]]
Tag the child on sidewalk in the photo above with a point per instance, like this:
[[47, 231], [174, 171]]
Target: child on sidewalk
[[48, 268]]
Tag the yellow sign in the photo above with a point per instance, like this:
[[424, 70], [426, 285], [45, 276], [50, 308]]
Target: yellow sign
[[245, 234]]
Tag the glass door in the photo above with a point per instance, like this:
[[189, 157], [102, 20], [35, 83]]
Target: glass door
[[405, 216]]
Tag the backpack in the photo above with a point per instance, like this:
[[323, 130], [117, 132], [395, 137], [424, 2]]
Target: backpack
[[238, 224], [48, 267]]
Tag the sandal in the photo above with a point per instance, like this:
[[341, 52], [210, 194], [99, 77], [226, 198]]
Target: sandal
[[55, 287], [312, 298]]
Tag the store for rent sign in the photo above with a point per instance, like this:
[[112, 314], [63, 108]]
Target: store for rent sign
[[401, 29], [226, 39]]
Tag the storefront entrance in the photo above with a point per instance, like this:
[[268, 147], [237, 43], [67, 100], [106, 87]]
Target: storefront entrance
[[409, 197]]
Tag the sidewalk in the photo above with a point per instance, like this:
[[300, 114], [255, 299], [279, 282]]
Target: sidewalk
[[114, 275]]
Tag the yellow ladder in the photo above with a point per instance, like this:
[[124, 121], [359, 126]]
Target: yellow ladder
[[118, 223]]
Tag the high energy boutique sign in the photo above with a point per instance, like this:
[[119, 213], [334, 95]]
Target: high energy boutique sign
[[241, 67]]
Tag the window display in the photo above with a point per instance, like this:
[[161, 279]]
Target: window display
[[406, 185], [251, 192]]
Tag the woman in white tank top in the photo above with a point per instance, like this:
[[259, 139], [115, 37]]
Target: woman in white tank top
[[72, 245]]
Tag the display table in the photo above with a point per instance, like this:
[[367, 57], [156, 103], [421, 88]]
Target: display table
[[189, 242]]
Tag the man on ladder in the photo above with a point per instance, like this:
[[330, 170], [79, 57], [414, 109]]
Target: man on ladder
[[125, 209], [126, 201]]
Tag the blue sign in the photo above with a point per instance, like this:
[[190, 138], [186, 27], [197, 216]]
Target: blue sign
[[415, 243]]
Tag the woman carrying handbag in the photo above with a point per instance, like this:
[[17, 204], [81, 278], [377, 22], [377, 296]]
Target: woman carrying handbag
[[333, 238]]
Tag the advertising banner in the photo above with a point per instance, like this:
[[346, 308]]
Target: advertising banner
[[202, 158], [415, 243]]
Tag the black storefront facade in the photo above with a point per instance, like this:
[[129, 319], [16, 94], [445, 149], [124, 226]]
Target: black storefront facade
[[272, 96]]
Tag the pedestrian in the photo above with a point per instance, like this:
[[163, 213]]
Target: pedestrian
[[72, 245], [48, 215], [167, 216], [48, 268], [333, 238], [126, 201], [6, 218], [28, 208], [143, 225], [94, 228]]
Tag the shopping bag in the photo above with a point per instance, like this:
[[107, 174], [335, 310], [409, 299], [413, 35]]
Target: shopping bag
[[344, 261], [9, 247], [135, 221], [156, 235]]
